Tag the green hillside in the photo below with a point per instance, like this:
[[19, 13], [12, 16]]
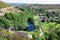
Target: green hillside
[[2, 4]]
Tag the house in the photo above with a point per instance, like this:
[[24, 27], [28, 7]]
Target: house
[[41, 18], [44, 19]]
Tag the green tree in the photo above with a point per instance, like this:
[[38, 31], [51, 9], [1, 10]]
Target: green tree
[[6, 22]]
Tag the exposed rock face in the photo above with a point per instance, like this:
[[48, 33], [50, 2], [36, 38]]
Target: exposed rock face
[[8, 9]]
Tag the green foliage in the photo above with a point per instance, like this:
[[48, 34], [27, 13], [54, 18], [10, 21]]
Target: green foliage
[[6, 22], [8, 16], [2, 38]]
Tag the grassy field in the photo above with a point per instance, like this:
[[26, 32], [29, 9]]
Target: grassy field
[[3, 4], [49, 26]]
